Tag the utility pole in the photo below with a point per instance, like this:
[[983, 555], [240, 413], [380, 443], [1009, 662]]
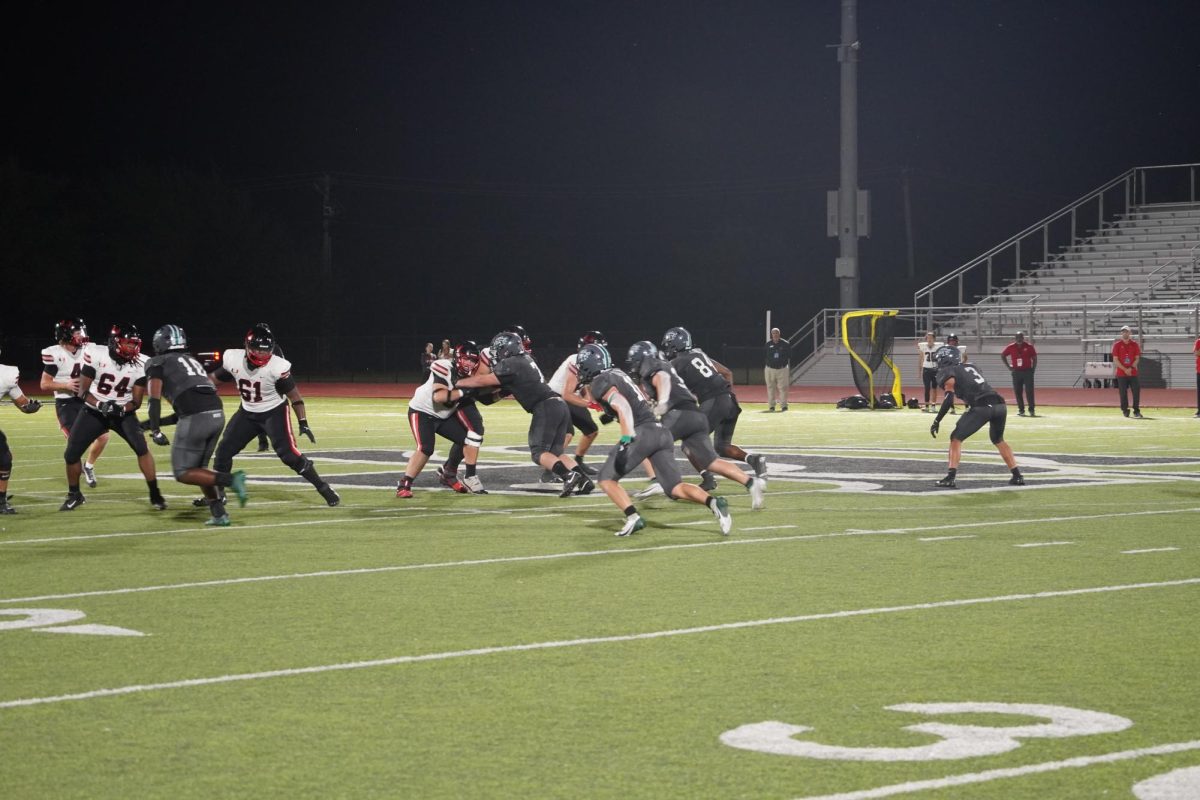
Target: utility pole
[[908, 235], [327, 288], [846, 269]]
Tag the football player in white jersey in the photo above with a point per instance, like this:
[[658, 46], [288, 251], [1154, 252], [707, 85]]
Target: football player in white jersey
[[565, 381], [437, 407], [9, 385], [264, 380], [112, 384], [62, 364]]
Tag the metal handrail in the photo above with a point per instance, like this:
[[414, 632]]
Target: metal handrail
[[1135, 188]]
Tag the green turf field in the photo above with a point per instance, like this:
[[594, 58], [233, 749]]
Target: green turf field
[[1045, 638]]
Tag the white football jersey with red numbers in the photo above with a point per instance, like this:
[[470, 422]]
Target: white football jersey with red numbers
[[256, 385], [558, 381], [67, 364], [114, 380], [8, 381], [441, 373]]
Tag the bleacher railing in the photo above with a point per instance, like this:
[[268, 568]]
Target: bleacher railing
[[988, 327], [1004, 263]]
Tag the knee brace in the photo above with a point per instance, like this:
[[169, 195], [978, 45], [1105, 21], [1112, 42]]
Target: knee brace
[[474, 439]]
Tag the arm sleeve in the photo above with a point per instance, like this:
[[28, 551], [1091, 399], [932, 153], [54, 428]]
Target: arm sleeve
[[285, 384], [88, 371], [223, 375], [50, 369]]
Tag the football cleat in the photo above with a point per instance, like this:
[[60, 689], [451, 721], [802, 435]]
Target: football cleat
[[589, 471], [720, 510], [586, 486], [331, 497], [573, 482], [759, 463], [89, 475], [158, 502], [549, 477], [200, 502], [239, 487], [74, 500], [708, 481], [263, 444], [5, 508], [1016, 480], [218, 522], [947, 483], [451, 481], [474, 485], [654, 488], [633, 524], [756, 488], [1138, 415], [403, 491]]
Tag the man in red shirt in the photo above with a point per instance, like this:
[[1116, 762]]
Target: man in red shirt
[[1021, 359], [1126, 355]]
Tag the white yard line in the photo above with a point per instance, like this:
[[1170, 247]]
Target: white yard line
[[582, 642], [1009, 772], [724, 542], [1042, 544], [1149, 550], [945, 538]]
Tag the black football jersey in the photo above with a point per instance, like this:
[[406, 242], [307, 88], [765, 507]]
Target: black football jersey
[[180, 373], [520, 376], [969, 384], [614, 378], [699, 373], [680, 396]]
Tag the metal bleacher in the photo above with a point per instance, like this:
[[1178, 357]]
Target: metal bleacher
[[1124, 254]]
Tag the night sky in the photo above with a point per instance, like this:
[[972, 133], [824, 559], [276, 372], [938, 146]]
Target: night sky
[[623, 166]]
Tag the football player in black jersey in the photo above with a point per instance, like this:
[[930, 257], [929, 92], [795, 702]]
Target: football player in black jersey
[[177, 374], [712, 383], [681, 414], [642, 438], [984, 407], [514, 371]]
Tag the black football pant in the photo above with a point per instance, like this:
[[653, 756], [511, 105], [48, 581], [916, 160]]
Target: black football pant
[[90, 424], [245, 426], [1023, 389]]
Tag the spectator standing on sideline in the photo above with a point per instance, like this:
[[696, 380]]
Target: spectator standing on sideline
[[447, 351], [928, 367], [1021, 359], [1196, 352], [427, 359], [1126, 355], [778, 370]]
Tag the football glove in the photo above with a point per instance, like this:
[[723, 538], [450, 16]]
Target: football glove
[[307, 431], [933, 429], [160, 438], [31, 407], [606, 418], [111, 409]]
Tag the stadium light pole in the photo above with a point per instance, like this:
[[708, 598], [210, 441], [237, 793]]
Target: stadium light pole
[[846, 268]]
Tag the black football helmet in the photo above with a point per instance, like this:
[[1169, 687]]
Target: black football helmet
[[506, 344], [71, 331], [466, 359], [591, 361], [592, 337], [947, 356], [676, 341], [526, 342], [168, 338], [260, 345], [951, 338], [638, 353], [124, 342]]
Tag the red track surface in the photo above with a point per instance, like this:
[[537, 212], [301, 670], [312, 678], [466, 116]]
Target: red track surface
[[1050, 396]]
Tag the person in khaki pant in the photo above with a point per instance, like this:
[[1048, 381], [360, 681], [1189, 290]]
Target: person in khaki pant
[[777, 371]]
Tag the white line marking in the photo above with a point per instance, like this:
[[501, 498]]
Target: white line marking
[[1149, 550], [946, 538], [1043, 520], [694, 522], [1042, 544], [557, 644], [1009, 772], [538, 516], [768, 528]]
